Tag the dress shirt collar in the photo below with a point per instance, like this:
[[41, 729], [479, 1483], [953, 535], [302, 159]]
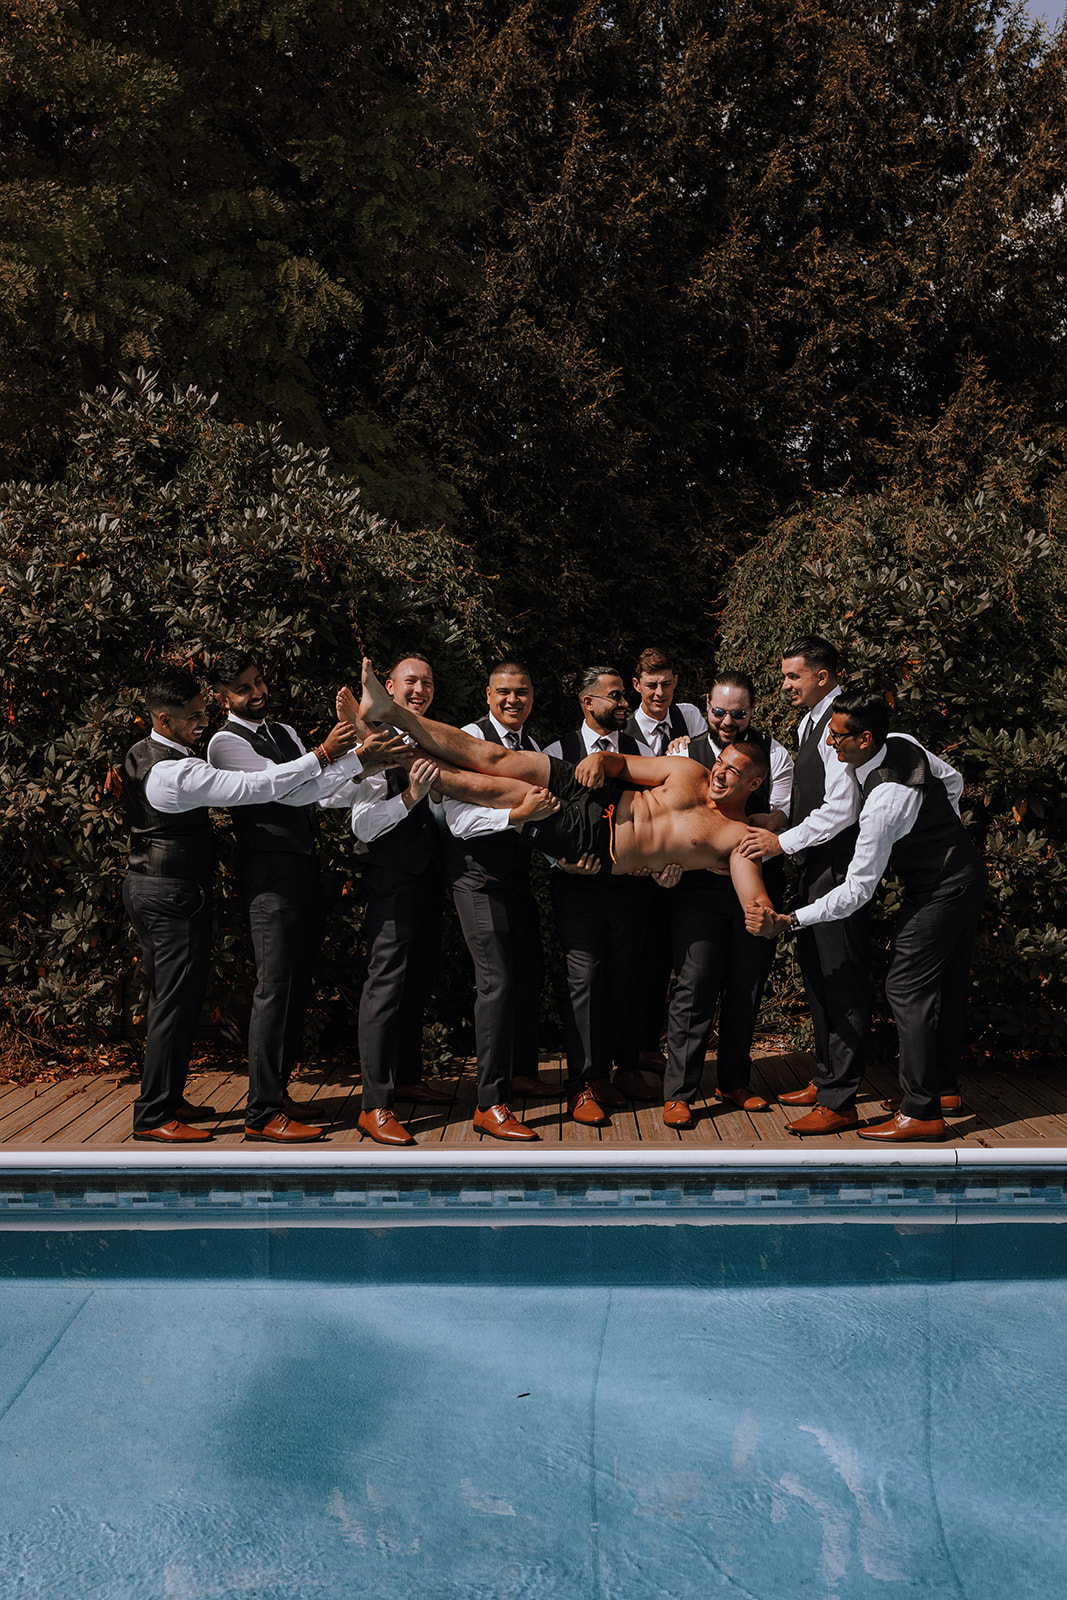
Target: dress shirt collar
[[648, 724], [172, 744], [864, 772], [810, 718], [501, 730], [591, 735], [243, 722]]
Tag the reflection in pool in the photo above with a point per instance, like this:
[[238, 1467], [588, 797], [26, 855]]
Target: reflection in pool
[[789, 1409]]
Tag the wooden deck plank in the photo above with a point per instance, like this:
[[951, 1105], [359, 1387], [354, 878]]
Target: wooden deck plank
[[1003, 1111]]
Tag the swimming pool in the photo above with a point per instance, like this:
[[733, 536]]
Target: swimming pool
[[619, 1384]]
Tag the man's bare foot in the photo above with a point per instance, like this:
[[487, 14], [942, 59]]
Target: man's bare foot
[[348, 708], [375, 705]]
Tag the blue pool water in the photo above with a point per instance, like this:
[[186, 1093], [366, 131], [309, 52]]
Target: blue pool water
[[781, 1406]]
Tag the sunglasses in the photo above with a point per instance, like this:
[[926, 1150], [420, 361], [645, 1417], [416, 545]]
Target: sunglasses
[[720, 715]]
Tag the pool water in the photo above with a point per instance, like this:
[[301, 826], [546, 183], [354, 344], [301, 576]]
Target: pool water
[[789, 1409]]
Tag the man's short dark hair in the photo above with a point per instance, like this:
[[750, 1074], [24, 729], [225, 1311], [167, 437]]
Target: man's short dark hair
[[509, 666], [735, 680], [229, 664], [587, 678], [755, 751], [866, 712], [652, 660], [170, 690], [817, 653], [408, 655]]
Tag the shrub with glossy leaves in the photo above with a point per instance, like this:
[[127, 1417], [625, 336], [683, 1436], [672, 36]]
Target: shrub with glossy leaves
[[174, 533], [958, 613]]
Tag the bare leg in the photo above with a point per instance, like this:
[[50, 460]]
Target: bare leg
[[479, 789], [442, 742]]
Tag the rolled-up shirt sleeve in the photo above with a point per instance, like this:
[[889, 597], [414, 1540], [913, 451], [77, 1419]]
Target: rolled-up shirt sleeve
[[467, 821], [228, 752], [781, 777], [176, 786], [374, 813], [888, 814]]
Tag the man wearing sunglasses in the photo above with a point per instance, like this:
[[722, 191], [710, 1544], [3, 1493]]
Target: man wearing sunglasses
[[909, 821], [717, 964], [821, 838]]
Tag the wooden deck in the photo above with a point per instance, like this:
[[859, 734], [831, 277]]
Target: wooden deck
[[1005, 1107]]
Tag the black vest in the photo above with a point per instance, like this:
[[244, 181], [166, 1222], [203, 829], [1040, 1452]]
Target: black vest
[[809, 792], [181, 845], [496, 860], [937, 843], [572, 746], [676, 728], [414, 845], [272, 826]]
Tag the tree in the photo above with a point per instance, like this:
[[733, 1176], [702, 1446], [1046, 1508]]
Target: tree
[[957, 612], [172, 534]]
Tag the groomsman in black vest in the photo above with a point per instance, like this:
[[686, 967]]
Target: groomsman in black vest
[[657, 722], [278, 880], [600, 920], [489, 873], [717, 964], [402, 861], [167, 791], [821, 838], [910, 822]]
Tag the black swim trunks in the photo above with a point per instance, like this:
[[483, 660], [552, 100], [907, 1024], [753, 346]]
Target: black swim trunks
[[584, 823]]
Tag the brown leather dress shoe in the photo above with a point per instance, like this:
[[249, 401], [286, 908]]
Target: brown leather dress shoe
[[634, 1086], [536, 1089], [428, 1094], [173, 1133], [190, 1113], [653, 1061], [952, 1103], [498, 1122], [800, 1097], [603, 1091], [382, 1126], [585, 1107], [677, 1114], [283, 1130], [821, 1119], [903, 1130], [744, 1099]]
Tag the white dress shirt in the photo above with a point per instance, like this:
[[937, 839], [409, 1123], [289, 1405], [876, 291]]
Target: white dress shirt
[[374, 813], [230, 753], [781, 770], [889, 813], [692, 716], [590, 736], [176, 786], [841, 796]]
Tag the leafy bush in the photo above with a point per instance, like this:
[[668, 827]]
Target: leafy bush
[[958, 613], [172, 534]]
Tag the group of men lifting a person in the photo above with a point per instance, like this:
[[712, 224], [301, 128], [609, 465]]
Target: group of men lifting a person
[[666, 827]]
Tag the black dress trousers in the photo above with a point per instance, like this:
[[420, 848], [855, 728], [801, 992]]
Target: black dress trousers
[[402, 923], [503, 934], [833, 960], [282, 895], [172, 920], [601, 927]]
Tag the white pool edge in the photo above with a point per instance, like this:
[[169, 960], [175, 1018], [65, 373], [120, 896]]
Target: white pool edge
[[503, 1161]]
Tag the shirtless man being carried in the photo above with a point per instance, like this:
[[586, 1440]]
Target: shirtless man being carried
[[632, 814]]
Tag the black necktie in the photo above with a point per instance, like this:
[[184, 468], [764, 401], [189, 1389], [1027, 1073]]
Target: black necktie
[[603, 743], [662, 732], [511, 739], [273, 748]]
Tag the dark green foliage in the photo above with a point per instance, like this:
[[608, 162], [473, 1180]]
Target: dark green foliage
[[958, 613], [173, 534]]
